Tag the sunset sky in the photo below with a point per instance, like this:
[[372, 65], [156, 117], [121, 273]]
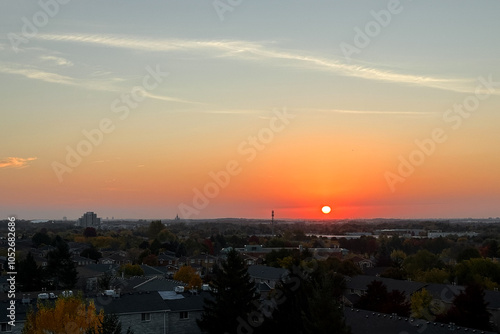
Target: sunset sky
[[205, 109]]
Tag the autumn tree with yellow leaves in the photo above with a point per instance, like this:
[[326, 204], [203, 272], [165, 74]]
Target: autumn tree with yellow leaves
[[188, 275], [71, 315]]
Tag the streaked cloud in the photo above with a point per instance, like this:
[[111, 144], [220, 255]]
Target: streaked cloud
[[16, 162], [372, 112], [167, 98], [57, 60], [38, 74], [260, 52]]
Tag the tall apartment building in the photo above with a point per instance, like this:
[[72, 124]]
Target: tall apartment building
[[89, 219]]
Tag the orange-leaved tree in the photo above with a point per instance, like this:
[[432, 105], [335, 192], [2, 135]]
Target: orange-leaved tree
[[195, 282], [188, 275], [70, 315]]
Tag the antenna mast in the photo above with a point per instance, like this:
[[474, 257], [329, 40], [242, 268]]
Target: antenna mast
[[272, 223]]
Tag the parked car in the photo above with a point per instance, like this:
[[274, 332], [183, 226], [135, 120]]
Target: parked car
[[43, 295]]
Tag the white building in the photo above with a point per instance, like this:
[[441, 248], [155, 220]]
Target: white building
[[89, 219]]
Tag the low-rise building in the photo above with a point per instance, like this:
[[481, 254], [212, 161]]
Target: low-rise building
[[264, 274]]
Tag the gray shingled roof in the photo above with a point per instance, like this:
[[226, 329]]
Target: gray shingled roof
[[159, 284], [362, 322], [362, 281], [153, 271], [265, 272], [149, 303], [132, 303]]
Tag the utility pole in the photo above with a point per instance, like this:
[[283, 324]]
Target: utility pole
[[272, 223]]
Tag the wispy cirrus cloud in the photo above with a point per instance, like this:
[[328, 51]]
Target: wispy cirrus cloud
[[109, 84], [16, 162], [168, 98], [57, 60], [37, 74], [372, 112], [245, 50]]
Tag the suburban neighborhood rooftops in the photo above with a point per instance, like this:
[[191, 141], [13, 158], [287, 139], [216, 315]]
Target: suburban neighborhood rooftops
[[149, 302], [360, 282], [362, 322]]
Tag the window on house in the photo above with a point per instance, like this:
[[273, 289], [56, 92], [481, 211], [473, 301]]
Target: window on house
[[183, 315], [192, 260], [145, 316], [169, 261], [5, 327]]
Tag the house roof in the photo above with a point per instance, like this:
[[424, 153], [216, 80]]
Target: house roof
[[79, 258], [190, 302], [142, 302], [167, 257], [158, 284], [361, 282], [153, 271], [94, 270], [149, 302], [362, 322], [265, 272], [374, 271], [263, 287]]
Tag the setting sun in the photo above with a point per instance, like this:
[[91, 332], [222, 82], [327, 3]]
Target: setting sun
[[326, 209]]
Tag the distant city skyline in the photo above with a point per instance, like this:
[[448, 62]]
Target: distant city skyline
[[374, 108]]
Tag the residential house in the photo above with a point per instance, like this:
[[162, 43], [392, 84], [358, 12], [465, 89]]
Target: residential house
[[362, 262], [150, 271], [119, 257], [167, 260], [264, 274], [89, 274], [76, 248], [250, 260], [81, 261], [443, 294], [106, 260], [156, 312]]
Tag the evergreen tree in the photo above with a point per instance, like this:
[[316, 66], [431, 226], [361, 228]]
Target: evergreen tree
[[40, 238], [29, 274], [291, 302], [378, 299], [104, 282], [60, 266], [155, 227], [306, 303], [233, 298], [469, 309], [326, 315], [91, 253]]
